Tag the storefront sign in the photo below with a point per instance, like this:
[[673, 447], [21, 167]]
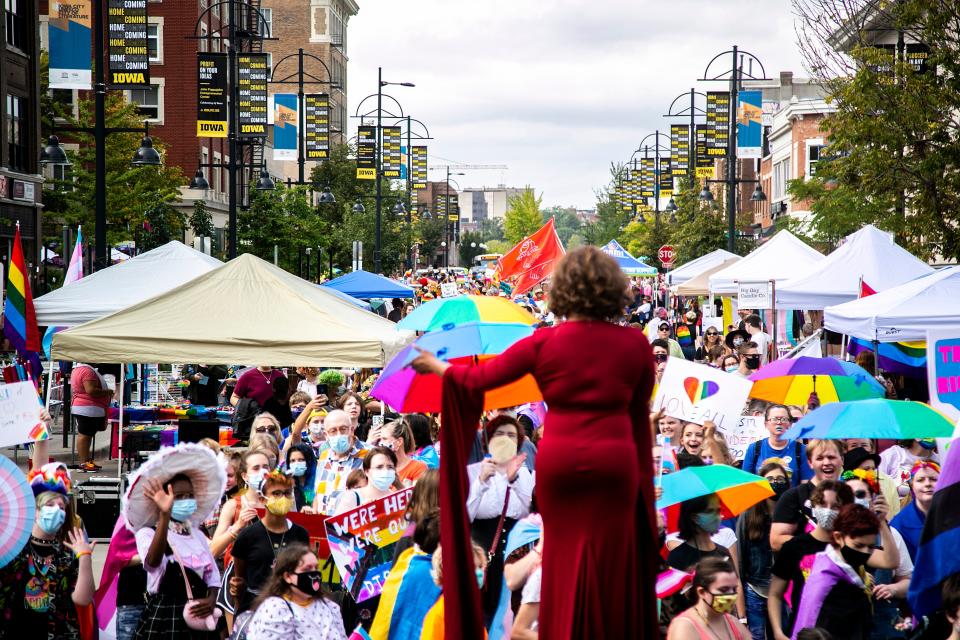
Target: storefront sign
[[754, 295]]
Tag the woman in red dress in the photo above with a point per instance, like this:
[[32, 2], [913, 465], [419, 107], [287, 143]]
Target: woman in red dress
[[594, 469]]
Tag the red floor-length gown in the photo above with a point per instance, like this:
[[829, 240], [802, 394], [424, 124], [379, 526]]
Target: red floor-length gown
[[594, 481]]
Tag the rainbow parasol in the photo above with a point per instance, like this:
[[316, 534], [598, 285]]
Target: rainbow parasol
[[446, 313], [737, 490], [792, 381], [17, 508], [875, 418]]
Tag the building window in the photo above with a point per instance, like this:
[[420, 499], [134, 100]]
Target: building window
[[17, 114], [269, 64], [813, 157], [16, 22], [149, 102], [203, 38], [265, 23], [781, 175], [155, 41]]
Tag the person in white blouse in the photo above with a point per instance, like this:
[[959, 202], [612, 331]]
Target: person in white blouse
[[501, 491]]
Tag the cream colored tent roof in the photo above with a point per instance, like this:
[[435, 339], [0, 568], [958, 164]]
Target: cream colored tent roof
[[700, 285], [246, 311]]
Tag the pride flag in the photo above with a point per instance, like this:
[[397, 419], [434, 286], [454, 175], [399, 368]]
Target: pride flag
[[74, 273], [902, 358], [19, 318]]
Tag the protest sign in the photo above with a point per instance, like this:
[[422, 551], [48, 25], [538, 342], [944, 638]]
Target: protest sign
[[20, 414], [696, 393], [448, 290], [362, 540], [740, 433], [316, 528], [943, 377]]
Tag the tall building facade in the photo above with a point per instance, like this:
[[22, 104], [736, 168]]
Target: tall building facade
[[487, 203]]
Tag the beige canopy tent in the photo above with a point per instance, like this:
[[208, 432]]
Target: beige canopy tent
[[700, 285], [248, 311]]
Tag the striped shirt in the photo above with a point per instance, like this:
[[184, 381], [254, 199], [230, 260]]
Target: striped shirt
[[332, 474]]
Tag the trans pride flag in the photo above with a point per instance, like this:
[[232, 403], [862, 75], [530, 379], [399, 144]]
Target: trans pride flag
[[74, 273], [19, 317]]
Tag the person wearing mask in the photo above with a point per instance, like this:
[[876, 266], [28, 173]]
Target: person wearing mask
[[292, 604], [730, 363], [88, 406], [860, 458], [661, 352], [241, 511], [257, 547], [398, 437], [909, 522], [791, 513], [301, 465], [897, 460], [777, 420], [309, 421], [754, 326], [749, 355], [345, 454], [755, 556], [717, 589], [792, 564], [834, 596], [433, 622], [380, 468]]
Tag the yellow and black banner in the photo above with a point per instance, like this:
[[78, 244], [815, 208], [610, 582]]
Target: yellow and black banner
[[718, 123], [252, 76], [316, 126], [390, 161], [366, 153], [665, 177], [680, 150], [211, 95], [647, 177], [418, 163], [704, 160], [634, 198], [453, 208], [127, 44]]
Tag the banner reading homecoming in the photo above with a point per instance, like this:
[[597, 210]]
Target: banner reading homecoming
[[419, 162], [317, 126], [128, 46], [252, 90]]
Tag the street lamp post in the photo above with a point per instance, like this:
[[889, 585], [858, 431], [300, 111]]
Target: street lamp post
[[693, 111], [656, 147], [446, 222], [381, 83]]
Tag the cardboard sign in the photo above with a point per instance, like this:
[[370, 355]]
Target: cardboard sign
[[362, 540], [448, 290], [697, 393], [315, 524], [20, 414], [741, 433], [754, 295], [943, 378]]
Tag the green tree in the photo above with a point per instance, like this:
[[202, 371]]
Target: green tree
[[200, 220], [281, 218], [161, 224], [491, 229], [468, 252], [523, 216], [566, 220]]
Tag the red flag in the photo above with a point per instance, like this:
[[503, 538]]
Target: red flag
[[532, 260], [865, 289]]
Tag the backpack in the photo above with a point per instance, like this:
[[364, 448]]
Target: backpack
[[243, 416]]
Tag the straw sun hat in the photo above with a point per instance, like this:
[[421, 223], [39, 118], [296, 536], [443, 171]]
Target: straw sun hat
[[195, 461]]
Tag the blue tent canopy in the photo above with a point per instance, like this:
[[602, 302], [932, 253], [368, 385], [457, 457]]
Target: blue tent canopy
[[360, 303], [630, 265], [365, 285]]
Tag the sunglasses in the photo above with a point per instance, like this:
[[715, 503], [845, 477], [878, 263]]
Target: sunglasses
[[664, 327], [712, 333], [860, 494], [265, 429], [660, 357]]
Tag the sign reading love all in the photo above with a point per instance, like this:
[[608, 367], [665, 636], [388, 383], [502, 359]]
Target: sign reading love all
[[698, 393]]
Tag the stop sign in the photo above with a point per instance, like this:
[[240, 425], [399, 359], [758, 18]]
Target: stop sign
[[666, 254]]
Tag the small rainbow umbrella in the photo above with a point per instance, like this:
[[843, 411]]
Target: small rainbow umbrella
[[446, 313], [737, 490], [874, 418], [17, 508], [792, 381]]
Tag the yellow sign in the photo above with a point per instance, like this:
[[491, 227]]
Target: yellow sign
[[366, 174], [211, 129]]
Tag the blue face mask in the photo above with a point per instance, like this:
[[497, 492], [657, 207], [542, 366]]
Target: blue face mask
[[255, 480], [51, 518], [340, 444], [183, 509], [382, 479], [709, 522], [479, 573], [731, 369], [298, 468], [928, 443]]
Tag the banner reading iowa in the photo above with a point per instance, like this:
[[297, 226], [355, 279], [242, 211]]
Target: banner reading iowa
[[532, 260]]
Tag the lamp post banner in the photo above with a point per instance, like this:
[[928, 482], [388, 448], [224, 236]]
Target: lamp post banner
[[679, 150], [647, 177], [749, 124], [419, 162], [366, 153], [127, 44], [391, 160], [316, 125], [665, 177], [285, 126], [718, 123], [252, 89], [71, 23], [211, 95], [704, 160]]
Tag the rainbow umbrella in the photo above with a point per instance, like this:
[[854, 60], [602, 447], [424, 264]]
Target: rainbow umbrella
[[17, 507], [792, 381], [874, 418], [446, 313], [737, 490]]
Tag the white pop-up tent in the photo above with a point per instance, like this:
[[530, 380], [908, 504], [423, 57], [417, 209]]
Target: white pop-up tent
[[246, 310], [782, 257], [902, 313], [690, 270], [122, 285], [868, 254], [700, 284]]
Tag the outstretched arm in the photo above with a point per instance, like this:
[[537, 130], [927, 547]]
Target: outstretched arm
[[509, 366]]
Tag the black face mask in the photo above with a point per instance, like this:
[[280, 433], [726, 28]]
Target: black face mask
[[752, 362], [779, 488], [854, 558], [309, 582]]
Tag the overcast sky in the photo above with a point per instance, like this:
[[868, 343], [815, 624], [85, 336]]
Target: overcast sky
[[554, 89]]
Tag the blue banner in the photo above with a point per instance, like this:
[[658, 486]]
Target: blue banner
[[69, 35], [749, 124], [285, 126]]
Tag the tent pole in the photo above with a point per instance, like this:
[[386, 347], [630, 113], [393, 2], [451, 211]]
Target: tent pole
[[46, 398], [773, 306], [876, 357], [123, 378]]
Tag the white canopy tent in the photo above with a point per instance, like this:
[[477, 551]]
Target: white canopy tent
[[690, 270], [902, 313], [246, 310], [870, 254], [782, 257], [700, 284], [123, 285]]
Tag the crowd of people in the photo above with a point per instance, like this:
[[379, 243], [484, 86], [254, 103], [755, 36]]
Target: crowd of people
[[205, 547]]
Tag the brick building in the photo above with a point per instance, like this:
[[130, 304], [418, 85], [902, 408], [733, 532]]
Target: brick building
[[20, 180]]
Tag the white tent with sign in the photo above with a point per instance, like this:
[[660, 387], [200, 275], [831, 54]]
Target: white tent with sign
[[700, 285], [902, 313], [782, 257], [868, 254], [690, 270], [246, 310], [122, 285]]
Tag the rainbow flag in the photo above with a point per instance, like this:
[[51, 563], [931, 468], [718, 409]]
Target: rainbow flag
[[74, 273], [901, 358], [19, 318]]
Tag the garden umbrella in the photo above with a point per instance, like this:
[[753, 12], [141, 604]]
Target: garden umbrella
[[451, 312], [792, 381], [737, 490], [874, 418], [17, 508]]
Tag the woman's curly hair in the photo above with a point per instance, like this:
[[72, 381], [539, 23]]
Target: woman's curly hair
[[588, 283]]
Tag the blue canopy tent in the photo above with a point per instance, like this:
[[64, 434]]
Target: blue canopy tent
[[363, 304], [630, 265], [365, 285]]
